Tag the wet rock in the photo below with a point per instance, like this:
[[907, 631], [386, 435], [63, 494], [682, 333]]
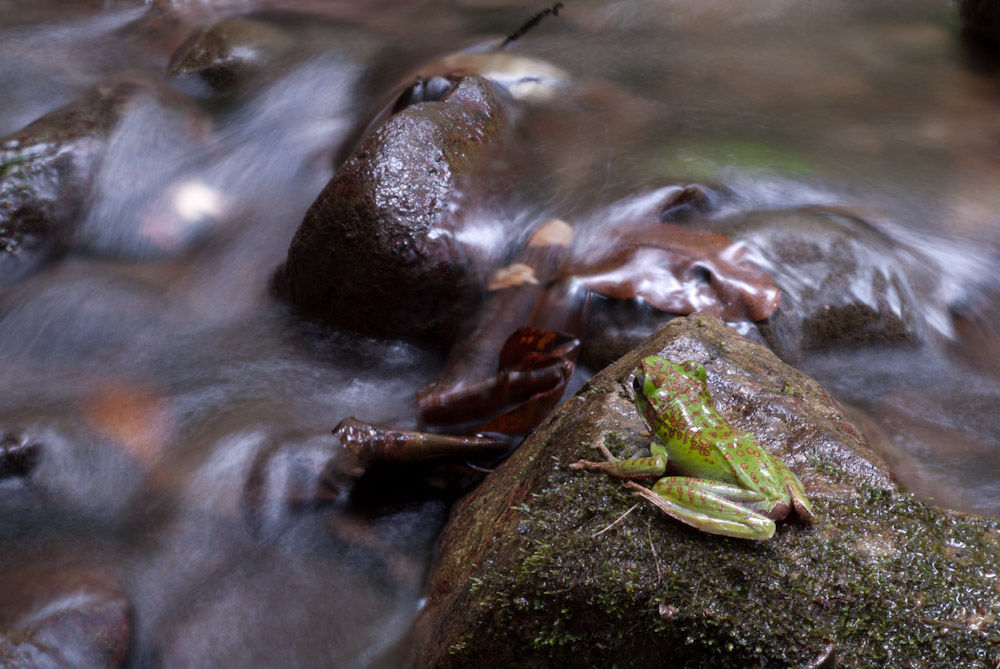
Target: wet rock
[[737, 291], [981, 17], [379, 251], [18, 456], [238, 47], [49, 168], [544, 566], [45, 174], [62, 617], [976, 319], [615, 327], [844, 283]]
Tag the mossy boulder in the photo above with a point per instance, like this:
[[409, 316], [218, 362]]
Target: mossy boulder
[[541, 566]]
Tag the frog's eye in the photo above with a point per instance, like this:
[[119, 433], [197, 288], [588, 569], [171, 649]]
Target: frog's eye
[[637, 383]]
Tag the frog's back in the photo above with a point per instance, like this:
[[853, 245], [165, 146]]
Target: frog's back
[[705, 452]]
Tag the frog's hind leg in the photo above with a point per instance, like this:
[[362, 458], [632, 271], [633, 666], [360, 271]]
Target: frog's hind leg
[[708, 506]]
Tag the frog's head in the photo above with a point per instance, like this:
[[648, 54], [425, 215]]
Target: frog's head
[[657, 372], [658, 377]]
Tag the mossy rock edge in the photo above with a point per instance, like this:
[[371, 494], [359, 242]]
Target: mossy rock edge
[[534, 570]]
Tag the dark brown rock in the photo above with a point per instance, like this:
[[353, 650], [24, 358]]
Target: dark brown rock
[[981, 17], [45, 175], [18, 456], [49, 168], [62, 617], [543, 566], [378, 251], [239, 47], [844, 282]]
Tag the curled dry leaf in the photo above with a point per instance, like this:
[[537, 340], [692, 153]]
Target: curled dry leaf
[[680, 271], [372, 443], [534, 368]]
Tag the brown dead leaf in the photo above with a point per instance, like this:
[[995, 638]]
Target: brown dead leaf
[[132, 415], [680, 271]]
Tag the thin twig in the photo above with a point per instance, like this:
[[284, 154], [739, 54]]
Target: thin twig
[[618, 520], [531, 23], [656, 558]]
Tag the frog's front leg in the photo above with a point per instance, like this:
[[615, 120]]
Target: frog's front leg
[[709, 506], [632, 468]]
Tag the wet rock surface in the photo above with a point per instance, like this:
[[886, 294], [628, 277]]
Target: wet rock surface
[[844, 282], [50, 169], [229, 50], [69, 617], [18, 456], [45, 175], [981, 16], [378, 250], [844, 285], [538, 567], [236, 49]]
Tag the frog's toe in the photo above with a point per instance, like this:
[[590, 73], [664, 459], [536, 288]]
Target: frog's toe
[[803, 508]]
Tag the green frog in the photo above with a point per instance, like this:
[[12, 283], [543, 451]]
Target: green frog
[[727, 484]]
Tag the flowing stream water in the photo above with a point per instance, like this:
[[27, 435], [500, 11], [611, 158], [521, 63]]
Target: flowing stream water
[[157, 371]]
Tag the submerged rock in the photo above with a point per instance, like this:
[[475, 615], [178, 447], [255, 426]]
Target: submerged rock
[[50, 169], [544, 566], [45, 175], [229, 50], [62, 617], [236, 49], [379, 250], [18, 456], [844, 283]]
